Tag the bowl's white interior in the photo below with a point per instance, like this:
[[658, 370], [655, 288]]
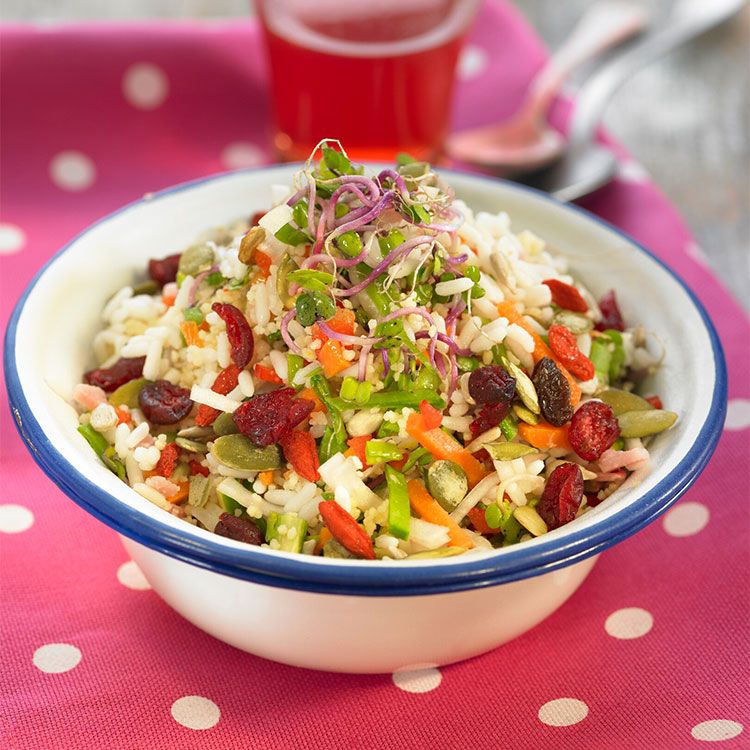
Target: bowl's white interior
[[62, 313]]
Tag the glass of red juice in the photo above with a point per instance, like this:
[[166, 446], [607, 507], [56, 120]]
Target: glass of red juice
[[375, 74]]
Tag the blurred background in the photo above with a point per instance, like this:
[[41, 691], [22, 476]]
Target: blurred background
[[684, 118]]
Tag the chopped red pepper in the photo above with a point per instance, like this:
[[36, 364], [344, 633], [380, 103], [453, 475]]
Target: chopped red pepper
[[301, 452], [197, 468], [479, 521], [263, 263], [225, 382], [655, 401], [357, 448], [345, 530], [432, 417], [566, 296], [268, 374]]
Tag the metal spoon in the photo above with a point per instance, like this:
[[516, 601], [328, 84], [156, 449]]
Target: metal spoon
[[587, 166], [527, 142]]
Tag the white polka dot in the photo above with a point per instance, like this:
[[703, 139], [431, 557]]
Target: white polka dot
[[15, 518], [696, 252], [417, 678], [472, 63], [716, 730], [686, 519], [145, 85], [195, 712], [54, 658], [130, 576], [240, 154], [631, 171], [631, 622], [72, 170], [12, 238], [738, 414], [563, 712]]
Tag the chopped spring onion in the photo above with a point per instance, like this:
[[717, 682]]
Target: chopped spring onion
[[318, 281], [399, 514], [379, 452], [290, 235]]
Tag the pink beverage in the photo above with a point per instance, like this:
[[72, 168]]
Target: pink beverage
[[377, 74]]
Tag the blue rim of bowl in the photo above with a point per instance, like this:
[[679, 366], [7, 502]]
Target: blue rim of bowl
[[297, 573]]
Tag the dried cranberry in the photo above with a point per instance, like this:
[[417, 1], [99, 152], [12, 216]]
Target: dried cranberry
[[239, 529], [121, 372], [267, 416], [593, 430], [238, 332], [593, 499], [611, 315], [163, 402], [563, 343], [165, 270], [553, 391], [566, 296], [489, 416], [492, 385], [562, 495]]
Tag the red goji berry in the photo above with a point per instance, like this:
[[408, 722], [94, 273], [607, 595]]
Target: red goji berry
[[345, 530], [563, 343], [167, 460], [566, 296], [225, 382], [239, 333], [301, 452]]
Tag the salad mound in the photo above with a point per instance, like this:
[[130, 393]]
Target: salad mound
[[369, 370]]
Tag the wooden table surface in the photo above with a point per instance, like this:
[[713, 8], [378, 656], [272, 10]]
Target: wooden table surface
[[685, 118]]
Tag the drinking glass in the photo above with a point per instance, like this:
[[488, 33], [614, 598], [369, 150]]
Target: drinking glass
[[375, 74]]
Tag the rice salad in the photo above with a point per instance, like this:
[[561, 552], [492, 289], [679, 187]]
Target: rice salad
[[369, 370]]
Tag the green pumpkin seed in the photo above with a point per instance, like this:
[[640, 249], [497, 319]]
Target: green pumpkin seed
[[636, 424], [524, 388], [525, 415], [432, 553], [127, 393], [530, 520], [192, 446], [508, 451], [237, 452], [576, 324], [623, 401], [224, 424], [196, 259], [249, 242], [447, 483], [286, 266], [146, 287], [199, 490]]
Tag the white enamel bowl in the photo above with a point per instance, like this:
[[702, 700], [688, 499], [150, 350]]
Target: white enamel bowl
[[345, 615]]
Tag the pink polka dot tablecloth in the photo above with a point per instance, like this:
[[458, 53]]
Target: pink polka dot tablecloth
[[651, 652]]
